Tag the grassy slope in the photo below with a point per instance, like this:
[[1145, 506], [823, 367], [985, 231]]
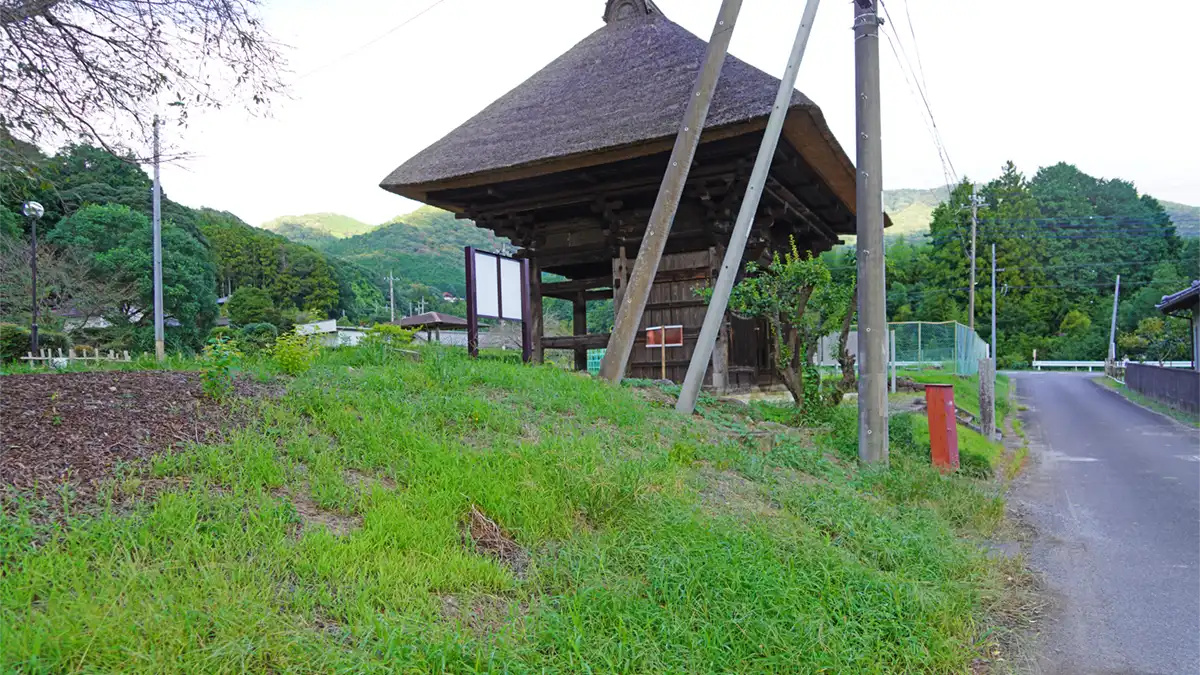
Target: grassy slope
[[966, 390], [658, 543], [334, 224]]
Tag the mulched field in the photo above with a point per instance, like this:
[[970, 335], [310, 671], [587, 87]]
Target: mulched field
[[76, 427]]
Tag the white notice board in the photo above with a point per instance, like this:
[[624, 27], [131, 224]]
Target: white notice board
[[510, 289], [487, 292]]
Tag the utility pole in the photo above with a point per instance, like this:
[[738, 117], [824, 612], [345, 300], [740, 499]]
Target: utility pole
[[658, 228], [160, 347], [994, 354], [872, 310], [715, 315], [1112, 332], [987, 371], [34, 211], [392, 294], [974, 228]]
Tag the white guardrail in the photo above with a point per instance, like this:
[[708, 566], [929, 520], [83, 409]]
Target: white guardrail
[[1076, 365]]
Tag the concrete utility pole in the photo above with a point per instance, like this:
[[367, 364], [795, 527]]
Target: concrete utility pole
[[715, 315], [1112, 332], [974, 228], [987, 371], [160, 346], [994, 354], [872, 310], [392, 294], [641, 279]]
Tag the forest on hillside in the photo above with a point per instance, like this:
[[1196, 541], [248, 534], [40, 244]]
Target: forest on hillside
[[1061, 239], [95, 257]]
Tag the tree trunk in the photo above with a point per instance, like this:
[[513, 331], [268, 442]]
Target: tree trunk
[[791, 371], [845, 358]]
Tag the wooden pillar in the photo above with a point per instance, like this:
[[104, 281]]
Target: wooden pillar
[[579, 321], [720, 352], [620, 276], [535, 308]]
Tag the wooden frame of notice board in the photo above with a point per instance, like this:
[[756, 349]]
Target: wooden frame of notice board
[[497, 288], [661, 337]]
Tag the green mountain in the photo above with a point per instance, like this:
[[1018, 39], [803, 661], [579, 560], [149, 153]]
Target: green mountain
[[912, 210], [317, 226], [423, 249], [1186, 218]]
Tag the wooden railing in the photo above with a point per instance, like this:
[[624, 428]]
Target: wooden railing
[[48, 357]]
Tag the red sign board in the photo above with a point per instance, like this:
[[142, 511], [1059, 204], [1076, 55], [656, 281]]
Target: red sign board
[[657, 336]]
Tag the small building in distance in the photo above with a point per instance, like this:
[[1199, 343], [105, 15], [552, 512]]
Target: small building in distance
[[568, 165], [1186, 304]]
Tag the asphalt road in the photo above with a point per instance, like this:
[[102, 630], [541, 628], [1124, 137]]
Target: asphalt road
[[1114, 492]]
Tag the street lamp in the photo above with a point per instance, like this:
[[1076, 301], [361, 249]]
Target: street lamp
[[33, 211]]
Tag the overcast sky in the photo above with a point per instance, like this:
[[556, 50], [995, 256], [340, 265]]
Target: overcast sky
[[1109, 86]]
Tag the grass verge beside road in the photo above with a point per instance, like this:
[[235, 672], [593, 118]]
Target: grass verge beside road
[[1149, 403], [456, 515], [966, 390]]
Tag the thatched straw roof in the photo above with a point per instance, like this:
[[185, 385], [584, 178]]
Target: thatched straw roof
[[624, 85]]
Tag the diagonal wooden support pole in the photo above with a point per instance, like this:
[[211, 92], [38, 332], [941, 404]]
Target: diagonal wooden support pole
[[715, 316], [637, 291]]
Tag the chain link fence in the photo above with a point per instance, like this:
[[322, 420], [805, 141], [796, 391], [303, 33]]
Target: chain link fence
[[947, 345]]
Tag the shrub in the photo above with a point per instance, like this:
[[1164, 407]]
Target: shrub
[[295, 353], [249, 305], [258, 336], [14, 341], [52, 339], [223, 332], [388, 334], [220, 356]]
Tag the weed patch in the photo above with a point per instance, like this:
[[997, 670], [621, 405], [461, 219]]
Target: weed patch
[[444, 514]]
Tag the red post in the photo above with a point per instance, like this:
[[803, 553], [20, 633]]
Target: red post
[[943, 426]]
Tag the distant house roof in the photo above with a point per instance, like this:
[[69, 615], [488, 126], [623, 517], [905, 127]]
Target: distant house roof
[[1188, 298], [625, 85], [433, 320]]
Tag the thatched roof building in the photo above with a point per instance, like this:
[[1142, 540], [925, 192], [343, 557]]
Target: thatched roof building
[[568, 164]]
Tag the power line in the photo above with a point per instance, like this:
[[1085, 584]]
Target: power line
[[921, 90], [947, 166], [916, 47], [372, 41]]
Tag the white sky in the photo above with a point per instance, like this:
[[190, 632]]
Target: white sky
[[1106, 85]]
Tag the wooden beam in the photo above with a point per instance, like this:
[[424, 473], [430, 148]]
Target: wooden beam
[[590, 193], [567, 290], [573, 342]]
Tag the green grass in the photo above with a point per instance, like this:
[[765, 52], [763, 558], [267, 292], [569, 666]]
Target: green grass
[[657, 543], [1161, 408], [966, 390]]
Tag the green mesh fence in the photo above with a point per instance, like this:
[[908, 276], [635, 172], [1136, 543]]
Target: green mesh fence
[[595, 356], [950, 345]]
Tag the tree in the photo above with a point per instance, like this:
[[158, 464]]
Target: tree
[[797, 298], [66, 285], [1156, 339], [250, 305], [10, 223], [118, 241], [91, 69]]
